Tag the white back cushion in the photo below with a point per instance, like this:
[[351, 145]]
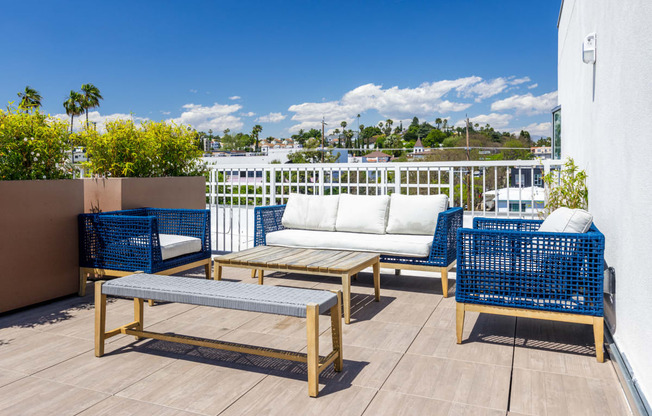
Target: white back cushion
[[566, 220], [362, 213], [311, 212], [415, 214]]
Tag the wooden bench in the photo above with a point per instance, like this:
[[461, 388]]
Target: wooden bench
[[304, 303]]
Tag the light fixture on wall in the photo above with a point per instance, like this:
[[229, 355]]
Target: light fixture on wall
[[588, 49]]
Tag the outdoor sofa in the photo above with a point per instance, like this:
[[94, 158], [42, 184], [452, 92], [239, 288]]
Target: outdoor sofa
[[550, 269], [150, 240], [415, 232]]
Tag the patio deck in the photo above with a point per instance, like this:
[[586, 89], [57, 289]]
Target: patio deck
[[400, 358]]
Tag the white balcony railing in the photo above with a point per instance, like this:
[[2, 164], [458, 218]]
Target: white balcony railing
[[499, 188]]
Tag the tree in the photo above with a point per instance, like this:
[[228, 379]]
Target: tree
[[394, 142], [73, 105], [30, 98], [343, 124], [415, 122], [438, 122], [91, 98], [254, 133], [388, 126], [444, 123]]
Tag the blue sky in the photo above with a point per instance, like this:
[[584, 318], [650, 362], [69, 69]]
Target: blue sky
[[284, 65]]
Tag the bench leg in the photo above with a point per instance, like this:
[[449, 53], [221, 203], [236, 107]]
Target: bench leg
[[207, 269], [253, 273], [598, 335], [444, 281], [82, 281], [377, 281], [336, 329], [261, 276], [459, 321], [138, 315], [100, 320], [312, 318], [346, 288]]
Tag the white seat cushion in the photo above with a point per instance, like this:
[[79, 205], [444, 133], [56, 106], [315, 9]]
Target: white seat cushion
[[395, 244], [177, 245], [566, 220], [415, 214], [311, 212], [362, 214]]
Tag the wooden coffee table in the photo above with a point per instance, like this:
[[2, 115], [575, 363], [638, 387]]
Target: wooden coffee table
[[344, 264]]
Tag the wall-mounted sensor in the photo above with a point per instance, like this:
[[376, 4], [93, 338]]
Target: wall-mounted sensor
[[588, 49]]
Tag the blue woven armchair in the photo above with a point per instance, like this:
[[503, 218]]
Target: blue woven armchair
[[442, 253], [152, 240], [506, 267]]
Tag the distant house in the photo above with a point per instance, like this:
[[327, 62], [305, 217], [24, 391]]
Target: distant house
[[542, 152], [418, 146], [376, 157], [526, 177]]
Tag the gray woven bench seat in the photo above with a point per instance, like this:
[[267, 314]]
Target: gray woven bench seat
[[229, 295], [289, 301]]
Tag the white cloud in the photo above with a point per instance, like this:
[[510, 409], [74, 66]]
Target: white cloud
[[537, 129], [394, 102], [216, 117], [518, 81], [532, 86], [99, 119], [527, 103], [166, 113], [235, 97], [496, 120], [249, 114], [486, 89], [271, 118], [193, 91]]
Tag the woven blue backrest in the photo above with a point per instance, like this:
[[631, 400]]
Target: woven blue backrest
[[547, 271], [266, 220]]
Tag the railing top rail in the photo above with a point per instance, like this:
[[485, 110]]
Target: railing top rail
[[389, 165]]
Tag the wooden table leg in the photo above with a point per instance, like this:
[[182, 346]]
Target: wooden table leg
[[207, 269], [218, 271], [253, 273], [336, 329], [261, 276], [346, 289], [377, 280]]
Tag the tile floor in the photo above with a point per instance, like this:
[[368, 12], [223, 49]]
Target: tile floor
[[400, 354]]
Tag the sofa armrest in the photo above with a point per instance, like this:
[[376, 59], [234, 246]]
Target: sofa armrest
[[444, 243], [118, 242], [516, 224], [266, 220], [560, 272]]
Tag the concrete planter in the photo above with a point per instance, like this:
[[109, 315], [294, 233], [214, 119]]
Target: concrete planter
[[126, 193], [39, 256], [39, 249]]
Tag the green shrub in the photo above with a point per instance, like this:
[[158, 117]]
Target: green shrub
[[33, 146], [566, 188], [151, 150]]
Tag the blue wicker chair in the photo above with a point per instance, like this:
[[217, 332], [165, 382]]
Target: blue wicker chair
[[119, 243], [506, 267], [442, 253]]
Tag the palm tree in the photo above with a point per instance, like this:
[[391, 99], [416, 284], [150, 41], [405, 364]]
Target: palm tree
[[255, 132], [91, 98], [438, 122], [388, 126], [30, 98], [74, 106]]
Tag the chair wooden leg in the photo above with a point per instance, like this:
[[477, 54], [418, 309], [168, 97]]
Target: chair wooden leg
[[207, 269], [346, 288], [336, 329], [444, 281], [261, 276], [100, 320], [82, 281], [139, 315], [598, 335], [397, 272], [459, 327], [376, 268], [312, 318]]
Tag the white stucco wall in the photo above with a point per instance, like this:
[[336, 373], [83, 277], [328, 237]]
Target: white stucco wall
[[607, 129]]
